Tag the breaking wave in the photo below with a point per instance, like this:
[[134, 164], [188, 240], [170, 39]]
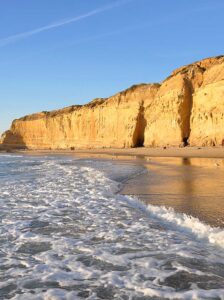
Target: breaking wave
[[65, 233], [181, 222]]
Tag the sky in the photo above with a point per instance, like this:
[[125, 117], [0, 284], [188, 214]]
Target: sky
[[56, 53]]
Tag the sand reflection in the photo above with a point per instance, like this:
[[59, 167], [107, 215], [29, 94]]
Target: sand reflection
[[190, 185]]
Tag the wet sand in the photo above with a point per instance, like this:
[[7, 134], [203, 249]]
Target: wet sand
[[193, 186], [191, 183]]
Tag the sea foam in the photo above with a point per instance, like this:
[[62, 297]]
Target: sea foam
[[65, 233], [181, 221]]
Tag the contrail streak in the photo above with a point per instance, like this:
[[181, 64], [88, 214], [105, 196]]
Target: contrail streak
[[24, 35]]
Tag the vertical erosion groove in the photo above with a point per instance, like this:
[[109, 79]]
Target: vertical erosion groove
[[185, 112], [139, 132]]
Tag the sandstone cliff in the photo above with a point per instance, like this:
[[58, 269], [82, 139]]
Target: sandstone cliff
[[207, 117], [114, 122], [187, 107]]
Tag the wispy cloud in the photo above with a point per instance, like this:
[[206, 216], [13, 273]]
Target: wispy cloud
[[27, 34]]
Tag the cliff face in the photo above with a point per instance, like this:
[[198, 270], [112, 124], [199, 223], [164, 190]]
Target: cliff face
[[207, 118], [114, 122], [169, 114], [188, 107]]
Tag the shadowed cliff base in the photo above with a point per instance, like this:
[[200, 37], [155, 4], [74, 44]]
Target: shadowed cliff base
[[187, 108], [185, 112], [139, 132]]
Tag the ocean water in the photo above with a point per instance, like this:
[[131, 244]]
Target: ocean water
[[67, 233]]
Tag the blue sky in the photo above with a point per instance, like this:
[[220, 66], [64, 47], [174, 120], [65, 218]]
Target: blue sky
[[56, 53]]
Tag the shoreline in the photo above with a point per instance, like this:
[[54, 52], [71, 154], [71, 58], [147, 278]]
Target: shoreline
[[188, 152], [182, 182], [206, 152], [57, 203]]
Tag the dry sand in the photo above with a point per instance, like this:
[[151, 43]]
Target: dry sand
[[210, 152], [203, 152]]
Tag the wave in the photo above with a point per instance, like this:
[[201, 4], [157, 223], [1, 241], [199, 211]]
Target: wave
[[65, 223], [9, 155], [181, 221]]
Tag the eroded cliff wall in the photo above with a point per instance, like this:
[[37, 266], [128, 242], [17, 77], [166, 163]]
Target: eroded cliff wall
[[207, 117], [114, 122], [187, 107], [169, 114]]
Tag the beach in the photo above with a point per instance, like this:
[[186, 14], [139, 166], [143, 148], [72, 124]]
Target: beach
[[188, 180], [138, 152], [99, 227], [193, 186], [112, 150], [202, 152]]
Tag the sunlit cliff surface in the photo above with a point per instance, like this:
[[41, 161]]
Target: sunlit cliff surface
[[186, 108]]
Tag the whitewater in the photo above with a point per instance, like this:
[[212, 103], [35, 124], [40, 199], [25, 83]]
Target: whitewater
[[67, 233]]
